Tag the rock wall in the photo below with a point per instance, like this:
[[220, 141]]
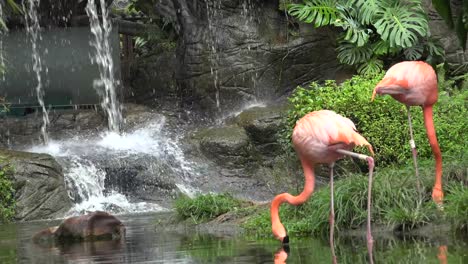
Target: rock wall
[[233, 51], [453, 51], [39, 184]]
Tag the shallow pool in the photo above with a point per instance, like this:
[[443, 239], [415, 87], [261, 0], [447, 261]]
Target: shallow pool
[[146, 243]]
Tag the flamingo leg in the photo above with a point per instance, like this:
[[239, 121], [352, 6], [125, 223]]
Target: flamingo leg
[[415, 153], [332, 214], [370, 162]]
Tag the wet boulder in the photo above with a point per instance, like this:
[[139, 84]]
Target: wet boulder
[[40, 190], [228, 146], [90, 227], [262, 125]]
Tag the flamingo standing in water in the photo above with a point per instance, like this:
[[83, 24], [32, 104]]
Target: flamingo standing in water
[[321, 137], [414, 83]]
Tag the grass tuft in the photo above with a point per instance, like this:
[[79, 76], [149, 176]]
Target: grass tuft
[[205, 207], [395, 202]]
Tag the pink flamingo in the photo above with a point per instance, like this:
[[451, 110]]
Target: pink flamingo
[[414, 83], [321, 137]]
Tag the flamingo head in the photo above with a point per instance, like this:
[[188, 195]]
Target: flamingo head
[[280, 233]]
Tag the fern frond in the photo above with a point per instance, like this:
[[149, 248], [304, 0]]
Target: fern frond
[[319, 12], [402, 25], [351, 54]]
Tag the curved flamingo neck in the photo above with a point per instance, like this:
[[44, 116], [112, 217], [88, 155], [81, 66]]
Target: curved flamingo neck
[[294, 200], [431, 135]]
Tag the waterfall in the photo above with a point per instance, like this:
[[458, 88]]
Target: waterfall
[[214, 54], [106, 85], [33, 29], [2, 59], [89, 162]]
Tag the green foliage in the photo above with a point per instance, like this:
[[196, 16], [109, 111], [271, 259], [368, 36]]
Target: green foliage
[[4, 106], [401, 23], [457, 206], [205, 207], [383, 122], [10, 7], [160, 35], [7, 197], [395, 202], [372, 30], [321, 12]]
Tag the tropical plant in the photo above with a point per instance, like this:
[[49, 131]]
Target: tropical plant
[[4, 106], [372, 29], [11, 6]]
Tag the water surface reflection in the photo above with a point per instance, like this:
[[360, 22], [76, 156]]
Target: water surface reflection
[[144, 244]]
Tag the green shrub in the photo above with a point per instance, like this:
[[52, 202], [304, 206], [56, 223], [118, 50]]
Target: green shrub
[[7, 197], [383, 122], [205, 207]]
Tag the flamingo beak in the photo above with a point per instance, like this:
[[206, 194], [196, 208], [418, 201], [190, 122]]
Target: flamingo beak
[[374, 93], [285, 240]]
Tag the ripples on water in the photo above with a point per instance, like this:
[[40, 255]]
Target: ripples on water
[[145, 244]]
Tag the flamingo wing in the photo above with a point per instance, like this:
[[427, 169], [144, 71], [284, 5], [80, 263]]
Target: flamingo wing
[[324, 128]]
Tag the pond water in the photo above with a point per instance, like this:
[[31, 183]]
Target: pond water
[[146, 243]]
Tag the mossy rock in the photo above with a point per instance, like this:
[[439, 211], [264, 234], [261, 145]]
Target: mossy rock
[[262, 125], [229, 146]]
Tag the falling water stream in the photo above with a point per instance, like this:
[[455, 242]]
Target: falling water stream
[[215, 51], [88, 161], [2, 59], [212, 43], [101, 27], [33, 28]]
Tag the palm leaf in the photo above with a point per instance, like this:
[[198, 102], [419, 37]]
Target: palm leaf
[[14, 6], [382, 47], [434, 47], [372, 66], [3, 26], [414, 52], [368, 9], [351, 54], [319, 12], [356, 32], [402, 25]]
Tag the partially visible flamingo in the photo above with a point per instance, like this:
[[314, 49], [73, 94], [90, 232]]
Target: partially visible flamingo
[[321, 137], [414, 83]]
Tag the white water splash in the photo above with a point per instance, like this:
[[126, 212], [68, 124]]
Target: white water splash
[[105, 86], [85, 179], [3, 31], [241, 109]]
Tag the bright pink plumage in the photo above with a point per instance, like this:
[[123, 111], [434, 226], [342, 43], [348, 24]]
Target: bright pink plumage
[[318, 134], [318, 137], [414, 83]]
